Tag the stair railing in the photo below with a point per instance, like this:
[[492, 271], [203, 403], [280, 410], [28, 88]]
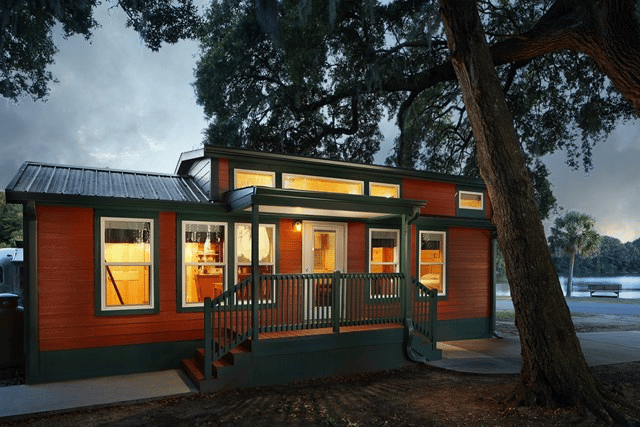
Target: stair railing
[[424, 304]]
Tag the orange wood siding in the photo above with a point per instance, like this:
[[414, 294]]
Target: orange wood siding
[[223, 176], [440, 197], [66, 288], [468, 275], [356, 246], [290, 248]]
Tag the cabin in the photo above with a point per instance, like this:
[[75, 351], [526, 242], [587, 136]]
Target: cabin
[[249, 268]]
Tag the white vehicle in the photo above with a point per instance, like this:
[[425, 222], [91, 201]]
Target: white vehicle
[[11, 261]]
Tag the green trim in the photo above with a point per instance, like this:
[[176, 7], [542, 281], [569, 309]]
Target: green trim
[[214, 189], [419, 228], [449, 222], [64, 365], [367, 247], [97, 215], [297, 164], [463, 329], [471, 213], [30, 297]]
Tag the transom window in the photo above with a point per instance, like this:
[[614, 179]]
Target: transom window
[[126, 254], [250, 178], [383, 258], [266, 256], [326, 185], [384, 190], [204, 267], [470, 200], [433, 260]]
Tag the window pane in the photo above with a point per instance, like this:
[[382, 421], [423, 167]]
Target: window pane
[[431, 276], [254, 179], [265, 243], [327, 185], [384, 190], [202, 282], [383, 246], [127, 241], [383, 268], [470, 200], [127, 285], [204, 243], [431, 248], [324, 251]]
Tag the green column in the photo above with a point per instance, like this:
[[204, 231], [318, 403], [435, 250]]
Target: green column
[[255, 272]]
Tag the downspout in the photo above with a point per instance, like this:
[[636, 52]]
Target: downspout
[[406, 258], [30, 271]]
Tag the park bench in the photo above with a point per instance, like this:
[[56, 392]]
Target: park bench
[[605, 287]]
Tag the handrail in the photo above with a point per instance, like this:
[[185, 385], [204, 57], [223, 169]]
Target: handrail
[[288, 302]]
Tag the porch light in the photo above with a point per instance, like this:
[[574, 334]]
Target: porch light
[[297, 226]]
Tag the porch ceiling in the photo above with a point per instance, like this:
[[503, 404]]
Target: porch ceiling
[[311, 203]]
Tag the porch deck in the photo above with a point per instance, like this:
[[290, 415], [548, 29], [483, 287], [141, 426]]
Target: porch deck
[[357, 322]]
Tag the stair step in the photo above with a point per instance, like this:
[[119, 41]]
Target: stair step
[[191, 368]]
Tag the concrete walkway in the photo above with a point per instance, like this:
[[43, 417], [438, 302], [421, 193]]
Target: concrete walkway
[[485, 356], [23, 400], [502, 356]]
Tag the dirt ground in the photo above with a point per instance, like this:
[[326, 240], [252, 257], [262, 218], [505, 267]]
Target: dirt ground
[[413, 396]]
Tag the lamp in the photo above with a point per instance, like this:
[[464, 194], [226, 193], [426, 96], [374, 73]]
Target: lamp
[[297, 225]]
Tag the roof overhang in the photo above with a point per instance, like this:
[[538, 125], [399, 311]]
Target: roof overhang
[[310, 203]]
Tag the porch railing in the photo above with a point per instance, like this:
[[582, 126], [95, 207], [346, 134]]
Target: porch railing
[[289, 302]]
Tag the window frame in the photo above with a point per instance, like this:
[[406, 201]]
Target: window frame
[[396, 262], [183, 277], [445, 287], [273, 262], [235, 177], [475, 193], [100, 307], [384, 184], [345, 180]]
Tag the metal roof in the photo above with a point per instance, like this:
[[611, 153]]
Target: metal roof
[[45, 179]]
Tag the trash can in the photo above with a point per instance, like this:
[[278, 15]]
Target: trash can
[[10, 331]]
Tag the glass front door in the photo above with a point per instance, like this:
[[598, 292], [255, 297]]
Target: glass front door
[[323, 252]]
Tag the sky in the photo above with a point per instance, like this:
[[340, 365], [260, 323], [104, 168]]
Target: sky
[[122, 106]]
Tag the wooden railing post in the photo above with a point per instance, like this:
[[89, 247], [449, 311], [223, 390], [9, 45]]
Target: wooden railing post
[[208, 338], [335, 303], [433, 316], [255, 271]]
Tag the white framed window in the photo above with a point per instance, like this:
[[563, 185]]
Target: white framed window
[[322, 184], [127, 255], [470, 200], [433, 260], [383, 258], [204, 261], [266, 257], [379, 189], [252, 178]]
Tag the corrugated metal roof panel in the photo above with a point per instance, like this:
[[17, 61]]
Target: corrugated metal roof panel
[[67, 180]]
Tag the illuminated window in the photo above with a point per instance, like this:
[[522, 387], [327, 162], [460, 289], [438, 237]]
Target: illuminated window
[[127, 263], [204, 254], [384, 190], [470, 200], [326, 185], [383, 258], [433, 260], [249, 178], [266, 256]]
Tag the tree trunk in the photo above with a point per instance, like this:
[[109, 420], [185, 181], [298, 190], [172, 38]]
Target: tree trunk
[[554, 371], [572, 260]]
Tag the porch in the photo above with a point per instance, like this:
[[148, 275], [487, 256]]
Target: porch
[[298, 326]]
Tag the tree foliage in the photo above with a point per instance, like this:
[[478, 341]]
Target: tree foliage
[[613, 258], [318, 77], [573, 234], [27, 47], [10, 223]]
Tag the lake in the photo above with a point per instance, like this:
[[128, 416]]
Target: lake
[[630, 286]]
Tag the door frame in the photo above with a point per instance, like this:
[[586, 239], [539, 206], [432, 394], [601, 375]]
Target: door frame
[[308, 228]]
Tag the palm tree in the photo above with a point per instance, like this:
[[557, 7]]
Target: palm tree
[[573, 234]]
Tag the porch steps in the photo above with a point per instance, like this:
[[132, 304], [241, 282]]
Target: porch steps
[[228, 371]]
